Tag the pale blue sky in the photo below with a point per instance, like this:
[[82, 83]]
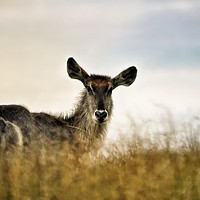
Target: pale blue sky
[[161, 38], [159, 33]]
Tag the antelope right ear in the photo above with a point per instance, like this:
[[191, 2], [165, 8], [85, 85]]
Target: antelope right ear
[[126, 77], [75, 71]]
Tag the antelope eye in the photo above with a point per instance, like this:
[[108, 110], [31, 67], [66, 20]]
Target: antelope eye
[[89, 89]]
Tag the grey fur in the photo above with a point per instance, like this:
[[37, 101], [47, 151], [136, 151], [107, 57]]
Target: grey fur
[[78, 129]]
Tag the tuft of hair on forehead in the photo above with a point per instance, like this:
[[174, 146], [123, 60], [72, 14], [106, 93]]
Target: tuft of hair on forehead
[[99, 77]]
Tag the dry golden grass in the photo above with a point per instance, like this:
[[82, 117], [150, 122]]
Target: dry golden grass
[[139, 169]]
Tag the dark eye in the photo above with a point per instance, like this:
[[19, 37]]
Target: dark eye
[[109, 92], [89, 89]]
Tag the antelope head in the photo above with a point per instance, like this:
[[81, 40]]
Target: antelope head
[[99, 89]]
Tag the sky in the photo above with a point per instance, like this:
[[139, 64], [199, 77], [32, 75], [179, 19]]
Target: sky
[[161, 38]]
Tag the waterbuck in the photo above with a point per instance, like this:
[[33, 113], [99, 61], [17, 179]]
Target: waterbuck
[[88, 121]]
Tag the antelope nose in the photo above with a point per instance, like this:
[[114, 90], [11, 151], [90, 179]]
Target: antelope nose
[[101, 115]]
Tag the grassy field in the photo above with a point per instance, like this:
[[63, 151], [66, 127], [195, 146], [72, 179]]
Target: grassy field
[[137, 168]]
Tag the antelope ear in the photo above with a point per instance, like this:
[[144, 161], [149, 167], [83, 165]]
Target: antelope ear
[[75, 71], [126, 77], [2, 125]]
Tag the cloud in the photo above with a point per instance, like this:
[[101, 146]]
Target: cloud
[[160, 37]]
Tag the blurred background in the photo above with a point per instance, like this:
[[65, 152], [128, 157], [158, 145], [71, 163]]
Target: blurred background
[[161, 38]]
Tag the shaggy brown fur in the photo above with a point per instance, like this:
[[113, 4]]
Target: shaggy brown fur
[[87, 125]]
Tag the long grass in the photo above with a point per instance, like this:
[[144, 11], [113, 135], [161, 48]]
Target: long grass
[[138, 168]]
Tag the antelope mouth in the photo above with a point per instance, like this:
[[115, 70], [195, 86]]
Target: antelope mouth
[[100, 122]]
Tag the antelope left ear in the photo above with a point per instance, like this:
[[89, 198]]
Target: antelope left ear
[[126, 77], [76, 72]]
